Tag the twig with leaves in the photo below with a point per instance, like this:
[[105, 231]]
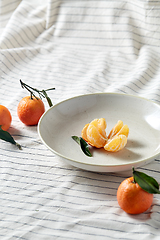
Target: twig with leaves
[[42, 93]]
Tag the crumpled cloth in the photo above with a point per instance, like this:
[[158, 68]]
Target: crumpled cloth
[[78, 47]]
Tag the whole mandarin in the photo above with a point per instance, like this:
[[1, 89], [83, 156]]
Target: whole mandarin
[[30, 110], [132, 198], [5, 118]]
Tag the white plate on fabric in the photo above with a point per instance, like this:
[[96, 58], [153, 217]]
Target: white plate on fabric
[[68, 118]]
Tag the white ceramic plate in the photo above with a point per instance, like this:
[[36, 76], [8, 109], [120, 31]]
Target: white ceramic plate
[[68, 118]]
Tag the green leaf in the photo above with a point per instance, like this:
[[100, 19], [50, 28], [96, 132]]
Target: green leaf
[[46, 96], [76, 139], [6, 136], [147, 183], [84, 145]]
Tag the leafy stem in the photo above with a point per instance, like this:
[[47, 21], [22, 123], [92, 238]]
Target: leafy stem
[[42, 93], [147, 183]]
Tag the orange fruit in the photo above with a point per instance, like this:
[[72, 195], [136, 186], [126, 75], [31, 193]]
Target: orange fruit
[[30, 110], [94, 133], [5, 118], [132, 198], [116, 143]]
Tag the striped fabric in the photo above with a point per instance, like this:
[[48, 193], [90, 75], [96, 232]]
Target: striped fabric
[[78, 47]]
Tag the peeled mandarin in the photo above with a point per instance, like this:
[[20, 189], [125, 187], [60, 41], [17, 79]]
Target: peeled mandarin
[[94, 133], [116, 143]]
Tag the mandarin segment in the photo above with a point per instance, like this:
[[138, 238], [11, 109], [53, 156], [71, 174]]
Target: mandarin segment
[[84, 132], [115, 129], [102, 127], [116, 143], [124, 130]]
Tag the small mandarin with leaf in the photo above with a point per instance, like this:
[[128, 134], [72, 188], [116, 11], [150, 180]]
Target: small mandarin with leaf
[[5, 118], [132, 198], [135, 194], [30, 109]]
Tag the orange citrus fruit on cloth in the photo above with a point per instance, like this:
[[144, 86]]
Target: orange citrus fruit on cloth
[[5, 118], [30, 110], [132, 198]]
